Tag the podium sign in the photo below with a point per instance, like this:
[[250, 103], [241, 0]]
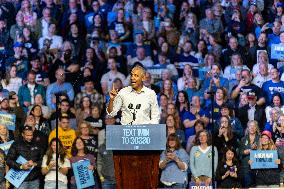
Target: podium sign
[[136, 137]]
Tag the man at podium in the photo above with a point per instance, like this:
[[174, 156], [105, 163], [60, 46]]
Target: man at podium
[[138, 105]]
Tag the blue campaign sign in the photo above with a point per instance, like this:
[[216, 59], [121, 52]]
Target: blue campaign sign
[[17, 177], [9, 120], [83, 176], [263, 159], [277, 51], [136, 137], [6, 146]]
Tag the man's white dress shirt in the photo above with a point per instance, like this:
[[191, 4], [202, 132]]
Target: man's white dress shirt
[[136, 108]]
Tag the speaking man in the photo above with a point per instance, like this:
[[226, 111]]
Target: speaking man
[[137, 103]]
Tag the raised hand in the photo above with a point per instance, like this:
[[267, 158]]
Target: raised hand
[[113, 92]]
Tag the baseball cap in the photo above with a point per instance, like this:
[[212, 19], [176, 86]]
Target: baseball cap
[[2, 98], [267, 133], [251, 95], [18, 44]]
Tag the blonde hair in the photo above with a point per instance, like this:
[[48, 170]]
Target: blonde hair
[[256, 126]]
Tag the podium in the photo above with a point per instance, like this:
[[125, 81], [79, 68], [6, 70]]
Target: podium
[[136, 154]]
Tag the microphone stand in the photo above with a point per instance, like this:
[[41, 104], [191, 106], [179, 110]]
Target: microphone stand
[[211, 93], [56, 128]]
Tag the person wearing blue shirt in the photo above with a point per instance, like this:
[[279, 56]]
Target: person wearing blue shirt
[[60, 86], [186, 57], [275, 85], [274, 37], [216, 80], [195, 113], [89, 16], [174, 162]]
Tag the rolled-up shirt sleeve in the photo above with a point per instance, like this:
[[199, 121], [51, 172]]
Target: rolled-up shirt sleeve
[[155, 112], [117, 103]]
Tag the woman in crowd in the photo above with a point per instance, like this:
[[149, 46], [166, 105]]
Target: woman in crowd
[[167, 89], [198, 126], [3, 170], [276, 101], [227, 110], [262, 175], [220, 98], [174, 163], [11, 82], [225, 137], [30, 17], [41, 123], [99, 25], [249, 142], [79, 152], [163, 106], [29, 42], [201, 158], [85, 109], [228, 170], [49, 166], [279, 143], [5, 134], [148, 24], [201, 51], [91, 141], [171, 110], [182, 82], [190, 28], [182, 103], [172, 128]]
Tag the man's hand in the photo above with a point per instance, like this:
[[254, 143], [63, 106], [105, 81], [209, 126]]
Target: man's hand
[[26, 166], [242, 83], [113, 92]]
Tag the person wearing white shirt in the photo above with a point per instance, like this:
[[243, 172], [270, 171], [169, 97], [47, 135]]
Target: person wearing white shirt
[[262, 57], [236, 64], [49, 166], [110, 76], [141, 57], [138, 103], [262, 76], [56, 41]]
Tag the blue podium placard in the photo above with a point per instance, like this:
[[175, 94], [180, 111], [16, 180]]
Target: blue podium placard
[[17, 177], [277, 51], [83, 176], [263, 159], [6, 146], [9, 120], [136, 137]]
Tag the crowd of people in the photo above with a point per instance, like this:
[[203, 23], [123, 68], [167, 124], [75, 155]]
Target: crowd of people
[[210, 62]]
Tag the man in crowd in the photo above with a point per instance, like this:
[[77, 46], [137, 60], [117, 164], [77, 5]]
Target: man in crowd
[[28, 148], [60, 86], [65, 134]]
